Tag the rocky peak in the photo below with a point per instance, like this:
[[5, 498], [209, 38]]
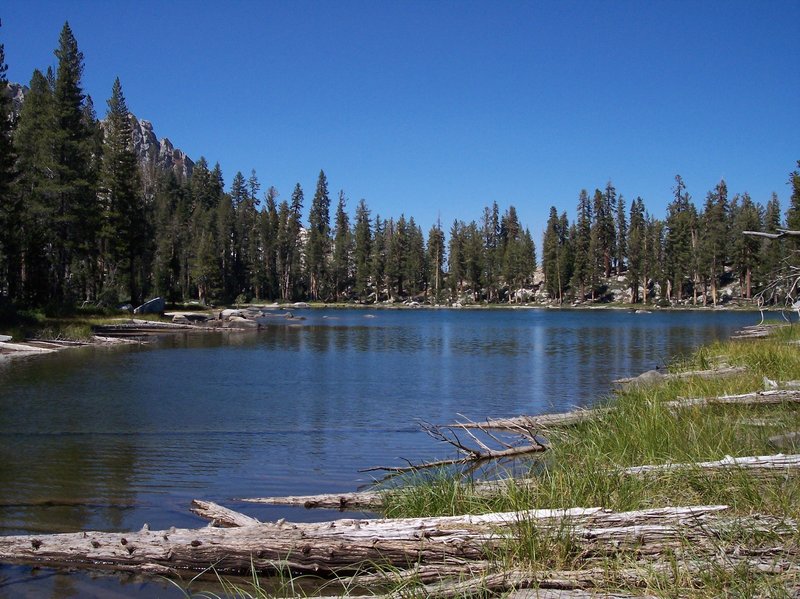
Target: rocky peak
[[153, 155]]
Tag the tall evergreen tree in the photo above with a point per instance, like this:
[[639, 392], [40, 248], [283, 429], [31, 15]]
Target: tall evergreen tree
[[10, 205], [581, 277], [318, 244], [75, 213], [636, 249], [124, 230], [551, 256], [679, 250], [416, 263], [33, 144], [362, 249], [455, 259], [379, 257], [773, 253], [715, 237], [436, 251], [342, 250], [745, 216], [622, 235], [493, 259]]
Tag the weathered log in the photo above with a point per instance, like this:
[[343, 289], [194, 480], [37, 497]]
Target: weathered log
[[772, 396], [373, 500], [350, 545], [755, 463], [221, 516], [540, 422], [481, 453], [703, 374], [786, 440], [363, 500]]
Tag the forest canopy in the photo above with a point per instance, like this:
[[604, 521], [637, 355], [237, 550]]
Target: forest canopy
[[84, 218]]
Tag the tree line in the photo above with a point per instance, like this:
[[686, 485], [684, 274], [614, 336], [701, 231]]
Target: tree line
[[686, 257], [80, 220]]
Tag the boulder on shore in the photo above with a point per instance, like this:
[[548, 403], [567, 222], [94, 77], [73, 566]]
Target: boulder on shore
[[156, 305]]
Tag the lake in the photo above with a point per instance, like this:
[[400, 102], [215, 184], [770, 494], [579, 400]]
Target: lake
[[111, 438]]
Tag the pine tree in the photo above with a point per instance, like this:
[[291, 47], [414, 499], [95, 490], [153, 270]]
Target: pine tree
[[582, 246], [362, 250], [679, 251], [342, 250], [745, 216], [715, 238], [379, 257], [622, 235], [76, 213], [773, 253], [416, 263], [269, 244], [35, 196], [124, 229], [793, 214], [455, 259], [10, 205], [318, 244], [598, 253], [551, 259], [436, 252], [636, 250], [473, 254], [493, 259]]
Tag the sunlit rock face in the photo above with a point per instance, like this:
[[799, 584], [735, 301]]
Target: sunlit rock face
[[154, 155]]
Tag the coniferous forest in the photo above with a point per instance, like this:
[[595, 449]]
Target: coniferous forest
[[83, 219]]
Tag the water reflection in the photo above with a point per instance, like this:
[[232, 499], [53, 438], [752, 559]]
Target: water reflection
[[114, 438]]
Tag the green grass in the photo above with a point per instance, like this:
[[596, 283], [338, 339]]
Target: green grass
[[583, 469]]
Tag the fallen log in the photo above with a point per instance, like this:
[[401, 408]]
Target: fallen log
[[536, 423], [786, 440], [353, 545], [772, 396], [221, 516], [469, 453], [655, 375], [756, 463], [365, 500], [374, 500]]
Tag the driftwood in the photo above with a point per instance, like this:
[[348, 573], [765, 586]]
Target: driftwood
[[655, 375], [373, 500], [352, 545], [358, 500], [786, 440], [221, 516], [755, 463], [772, 396], [535, 423], [480, 452]]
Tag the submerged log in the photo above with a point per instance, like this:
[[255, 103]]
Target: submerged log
[[353, 545], [772, 396], [755, 463]]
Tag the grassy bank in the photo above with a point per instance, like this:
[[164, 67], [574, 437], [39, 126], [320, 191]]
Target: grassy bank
[[584, 468]]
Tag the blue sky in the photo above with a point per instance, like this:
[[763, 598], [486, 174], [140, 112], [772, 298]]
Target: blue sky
[[436, 109]]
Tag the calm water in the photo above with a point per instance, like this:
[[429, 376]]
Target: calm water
[[112, 438]]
